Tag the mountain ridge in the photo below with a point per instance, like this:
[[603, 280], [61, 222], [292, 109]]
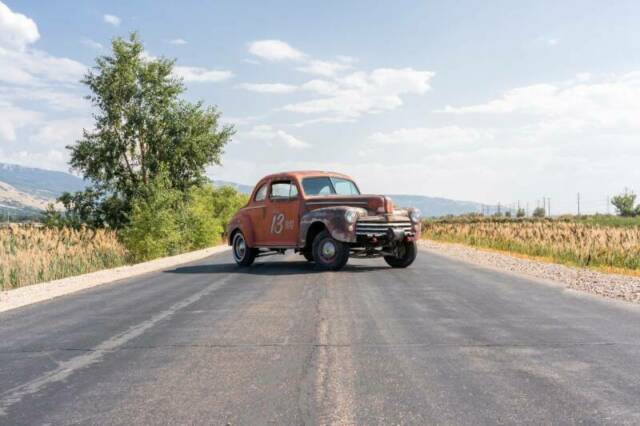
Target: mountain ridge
[[26, 191]]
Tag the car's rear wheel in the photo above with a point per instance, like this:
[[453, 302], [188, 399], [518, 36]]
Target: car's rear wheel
[[329, 253], [407, 253], [242, 253]]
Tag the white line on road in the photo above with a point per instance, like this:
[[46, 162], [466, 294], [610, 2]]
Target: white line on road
[[67, 368]]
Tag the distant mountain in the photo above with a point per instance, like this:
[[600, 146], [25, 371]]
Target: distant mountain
[[40, 182], [26, 191], [244, 189], [436, 206], [429, 206]]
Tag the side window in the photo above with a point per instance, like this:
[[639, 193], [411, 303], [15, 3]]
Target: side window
[[261, 194], [283, 190]]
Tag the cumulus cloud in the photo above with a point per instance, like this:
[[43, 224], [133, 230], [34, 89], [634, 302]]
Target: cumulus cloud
[[426, 137], [359, 93], [92, 44], [275, 50], [201, 75], [12, 118], [581, 103], [21, 64], [16, 30], [268, 87], [112, 19], [324, 68], [178, 41], [268, 133]]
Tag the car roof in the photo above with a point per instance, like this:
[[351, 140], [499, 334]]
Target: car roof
[[300, 174]]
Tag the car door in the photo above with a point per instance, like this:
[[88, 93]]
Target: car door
[[257, 212], [283, 213]]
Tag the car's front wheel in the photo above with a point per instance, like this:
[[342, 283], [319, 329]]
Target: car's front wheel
[[242, 253], [407, 253], [329, 253]]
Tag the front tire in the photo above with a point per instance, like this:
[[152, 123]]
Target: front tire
[[408, 251], [308, 255], [329, 253], [242, 253]]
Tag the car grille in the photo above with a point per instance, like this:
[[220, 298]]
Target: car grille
[[377, 229]]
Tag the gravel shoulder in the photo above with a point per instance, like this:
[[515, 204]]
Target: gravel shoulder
[[35, 293], [615, 286]]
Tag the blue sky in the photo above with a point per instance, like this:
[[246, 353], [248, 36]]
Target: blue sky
[[486, 101]]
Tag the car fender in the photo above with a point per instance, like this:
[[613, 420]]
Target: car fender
[[333, 220], [243, 223]]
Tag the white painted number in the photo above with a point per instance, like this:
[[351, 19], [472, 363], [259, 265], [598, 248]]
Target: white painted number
[[277, 224]]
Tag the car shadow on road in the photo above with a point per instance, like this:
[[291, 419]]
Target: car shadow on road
[[269, 268]]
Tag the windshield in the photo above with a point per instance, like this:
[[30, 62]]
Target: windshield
[[329, 185]]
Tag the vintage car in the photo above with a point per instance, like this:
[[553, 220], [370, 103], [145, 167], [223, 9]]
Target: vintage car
[[322, 216]]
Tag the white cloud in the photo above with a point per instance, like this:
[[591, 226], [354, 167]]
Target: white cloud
[[361, 93], [551, 41], [112, 19], [268, 87], [16, 30], [581, 103], [178, 41], [60, 99], [324, 68], [268, 133], [12, 118], [20, 64], [430, 137], [201, 75], [275, 50], [92, 44]]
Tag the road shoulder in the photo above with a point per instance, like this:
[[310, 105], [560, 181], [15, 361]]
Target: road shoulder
[[615, 286], [35, 293]]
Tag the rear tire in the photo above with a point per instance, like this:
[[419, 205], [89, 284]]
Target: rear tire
[[329, 253], [408, 252], [242, 253]]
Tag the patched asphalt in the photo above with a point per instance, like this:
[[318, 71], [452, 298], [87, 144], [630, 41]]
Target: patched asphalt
[[442, 342]]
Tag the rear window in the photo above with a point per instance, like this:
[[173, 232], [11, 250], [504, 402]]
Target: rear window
[[328, 185]]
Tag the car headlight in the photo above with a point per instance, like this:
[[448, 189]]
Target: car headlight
[[415, 215], [350, 216]]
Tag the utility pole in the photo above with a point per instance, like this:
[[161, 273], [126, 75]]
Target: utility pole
[[549, 206], [498, 208], [578, 204], [608, 204]]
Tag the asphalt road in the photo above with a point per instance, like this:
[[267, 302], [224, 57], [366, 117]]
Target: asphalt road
[[441, 342]]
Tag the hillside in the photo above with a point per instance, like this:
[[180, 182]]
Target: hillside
[[429, 206], [25, 191]]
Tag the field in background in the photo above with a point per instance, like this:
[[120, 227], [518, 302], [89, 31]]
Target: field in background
[[33, 254], [602, 242]]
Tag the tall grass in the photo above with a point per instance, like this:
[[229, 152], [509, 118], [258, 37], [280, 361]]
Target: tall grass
[[580, 243], [33, 254]]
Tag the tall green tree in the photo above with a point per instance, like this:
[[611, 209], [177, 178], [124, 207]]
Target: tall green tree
[[142, 127], [625, 204]]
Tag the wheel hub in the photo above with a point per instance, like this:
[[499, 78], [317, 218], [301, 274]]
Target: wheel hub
[[240, 248], [328, 249]]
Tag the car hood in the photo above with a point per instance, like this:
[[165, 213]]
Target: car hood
[[374, 204]]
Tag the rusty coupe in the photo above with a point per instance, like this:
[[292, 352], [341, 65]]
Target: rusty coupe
[[322, 216]]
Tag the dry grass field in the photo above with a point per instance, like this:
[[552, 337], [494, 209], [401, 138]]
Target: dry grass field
[[578, 243], [33, 254]]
